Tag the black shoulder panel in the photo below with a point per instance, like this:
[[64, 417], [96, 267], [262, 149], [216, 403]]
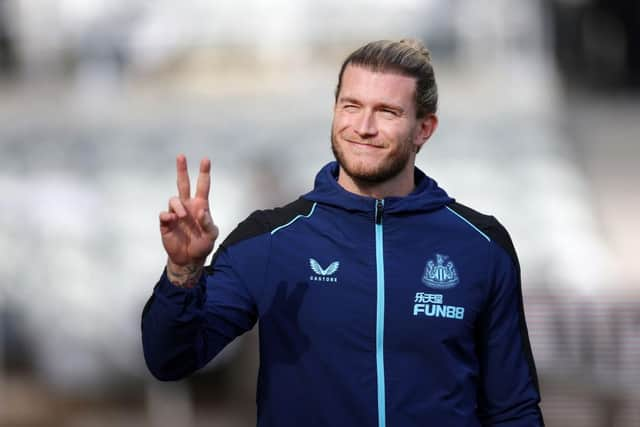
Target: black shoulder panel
[[264, 221], [488, 225]]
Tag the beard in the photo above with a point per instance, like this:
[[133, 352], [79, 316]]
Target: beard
[[368, 173]]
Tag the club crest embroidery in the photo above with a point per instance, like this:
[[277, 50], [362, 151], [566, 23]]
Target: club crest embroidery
[[440, 275]]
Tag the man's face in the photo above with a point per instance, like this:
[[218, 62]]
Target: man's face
[[375, 133]]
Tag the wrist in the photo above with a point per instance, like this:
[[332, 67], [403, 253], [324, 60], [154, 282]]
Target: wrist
[[184, 276]]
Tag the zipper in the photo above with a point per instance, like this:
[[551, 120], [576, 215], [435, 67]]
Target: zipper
[[380, 314], [379, 210]]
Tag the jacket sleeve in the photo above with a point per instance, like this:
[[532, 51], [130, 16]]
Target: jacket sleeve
[[509, 395], [183, 329]]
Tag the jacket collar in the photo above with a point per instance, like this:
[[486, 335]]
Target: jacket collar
[[425, 197]]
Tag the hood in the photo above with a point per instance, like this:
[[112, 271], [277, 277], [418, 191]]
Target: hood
[[426, 196]]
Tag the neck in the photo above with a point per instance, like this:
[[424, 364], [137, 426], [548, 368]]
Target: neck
[[398, 186]]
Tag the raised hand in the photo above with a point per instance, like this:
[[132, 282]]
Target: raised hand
[[187, 229]]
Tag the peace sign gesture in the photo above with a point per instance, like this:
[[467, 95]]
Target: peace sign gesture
[[187, 229]]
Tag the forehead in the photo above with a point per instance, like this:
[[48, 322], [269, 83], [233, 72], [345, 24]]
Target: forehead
[[366, 86]]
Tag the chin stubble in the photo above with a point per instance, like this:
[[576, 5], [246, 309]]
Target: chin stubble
[[385, 172]]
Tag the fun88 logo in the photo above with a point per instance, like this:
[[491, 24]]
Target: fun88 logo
[[431, 305]]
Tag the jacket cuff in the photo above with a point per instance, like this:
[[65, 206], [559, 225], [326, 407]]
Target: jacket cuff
[[167, 290]]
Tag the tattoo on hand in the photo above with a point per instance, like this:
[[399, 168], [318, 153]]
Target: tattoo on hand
[[184, 277]]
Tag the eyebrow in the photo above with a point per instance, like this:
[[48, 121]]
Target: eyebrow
[[348, 100]]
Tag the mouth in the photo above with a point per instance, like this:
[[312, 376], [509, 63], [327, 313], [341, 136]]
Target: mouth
[[363, 144]]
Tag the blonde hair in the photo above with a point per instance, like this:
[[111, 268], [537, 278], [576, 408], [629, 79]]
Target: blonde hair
[[408, 57]]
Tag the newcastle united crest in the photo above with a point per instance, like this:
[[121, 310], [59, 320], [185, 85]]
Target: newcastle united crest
[[440, 274]]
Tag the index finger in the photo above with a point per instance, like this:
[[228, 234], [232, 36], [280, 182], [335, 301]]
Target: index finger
[[204, 179], [184, 187]]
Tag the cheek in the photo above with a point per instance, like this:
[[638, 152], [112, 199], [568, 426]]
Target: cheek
[[337, 124], [342, 132], [394, 132], [341, 122]]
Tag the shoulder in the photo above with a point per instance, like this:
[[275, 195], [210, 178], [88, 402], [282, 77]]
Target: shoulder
[[267, 220], [262, 223], [493, 230]]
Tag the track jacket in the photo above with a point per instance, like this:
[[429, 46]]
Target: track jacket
[[399, 312]]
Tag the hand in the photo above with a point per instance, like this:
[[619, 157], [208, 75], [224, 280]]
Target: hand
[[187, 229]]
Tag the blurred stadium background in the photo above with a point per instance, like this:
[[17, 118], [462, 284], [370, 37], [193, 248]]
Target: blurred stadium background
[[539, 125]]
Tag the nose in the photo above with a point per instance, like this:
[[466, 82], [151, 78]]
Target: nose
[[365, 125]]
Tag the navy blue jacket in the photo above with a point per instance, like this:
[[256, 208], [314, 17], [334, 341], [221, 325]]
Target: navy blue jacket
[[401, 312]]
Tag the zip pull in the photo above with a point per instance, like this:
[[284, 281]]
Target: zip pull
[[379, 210]]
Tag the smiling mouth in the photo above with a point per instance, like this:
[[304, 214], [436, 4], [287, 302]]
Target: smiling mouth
[[366, 144]]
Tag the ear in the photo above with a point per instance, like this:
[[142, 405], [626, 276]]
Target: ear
[[427, 126]]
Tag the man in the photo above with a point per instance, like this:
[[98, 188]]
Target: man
[[381, 300]]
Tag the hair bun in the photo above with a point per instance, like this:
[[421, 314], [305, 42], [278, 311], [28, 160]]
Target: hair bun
[[418, 46]]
